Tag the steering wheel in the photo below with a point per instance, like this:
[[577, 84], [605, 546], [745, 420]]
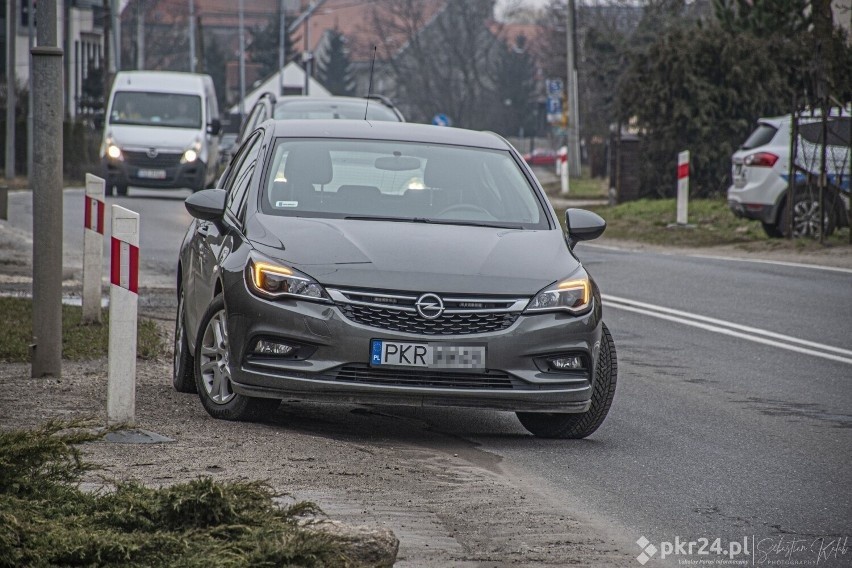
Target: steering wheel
[[466, 207]]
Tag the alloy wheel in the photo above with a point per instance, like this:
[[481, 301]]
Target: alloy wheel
[[214, 364], [806, 218]]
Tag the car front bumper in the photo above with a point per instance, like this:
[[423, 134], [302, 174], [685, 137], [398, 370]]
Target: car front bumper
[[192, 176], [339, 369]]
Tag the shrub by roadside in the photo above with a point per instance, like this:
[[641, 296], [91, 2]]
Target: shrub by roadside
[[46, 520], [79, 341]]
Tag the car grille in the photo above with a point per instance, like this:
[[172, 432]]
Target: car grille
[[161, 160], [422, 378], [396, 312]]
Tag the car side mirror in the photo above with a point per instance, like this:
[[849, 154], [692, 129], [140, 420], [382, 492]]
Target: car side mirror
[[583, 225], [215, 127], [207, 205]]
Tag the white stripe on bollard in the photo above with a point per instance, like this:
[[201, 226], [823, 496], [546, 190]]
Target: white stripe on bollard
[[93, 248], [124, 278], [682, 187]]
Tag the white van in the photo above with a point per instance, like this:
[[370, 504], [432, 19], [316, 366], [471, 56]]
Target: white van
[[161, 130]]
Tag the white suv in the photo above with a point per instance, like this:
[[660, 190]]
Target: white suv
[[760, 173]]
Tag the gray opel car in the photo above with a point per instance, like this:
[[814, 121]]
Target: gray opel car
[[389, 263]]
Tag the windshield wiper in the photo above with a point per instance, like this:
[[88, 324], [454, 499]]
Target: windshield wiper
[[379, 218], [495, 225]]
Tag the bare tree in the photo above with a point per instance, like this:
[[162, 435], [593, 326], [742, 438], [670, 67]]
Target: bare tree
[[441, 57]]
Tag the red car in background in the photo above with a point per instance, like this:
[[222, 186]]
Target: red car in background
[[541, 157]]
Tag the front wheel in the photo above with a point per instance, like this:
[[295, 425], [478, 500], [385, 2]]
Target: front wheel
[[576, 426], [806, 214], [213, 371]]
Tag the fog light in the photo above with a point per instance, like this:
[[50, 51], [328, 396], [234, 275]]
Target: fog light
[[269, 347], [568, 363]]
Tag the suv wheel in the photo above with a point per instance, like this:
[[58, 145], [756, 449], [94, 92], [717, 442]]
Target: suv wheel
[[806, 214], [576, 426], [213, 371]]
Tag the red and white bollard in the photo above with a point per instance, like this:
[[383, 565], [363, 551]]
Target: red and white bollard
[[93, 248], [123, 298], [563, 169], [682, 187]]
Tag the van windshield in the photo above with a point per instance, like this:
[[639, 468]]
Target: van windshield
[[156, 109]]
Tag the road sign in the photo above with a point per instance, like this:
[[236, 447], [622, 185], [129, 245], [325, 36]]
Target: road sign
[[441, 119], [554, 109], [554, 87]]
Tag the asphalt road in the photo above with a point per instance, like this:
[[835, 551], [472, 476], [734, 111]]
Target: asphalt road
[[733, 414]]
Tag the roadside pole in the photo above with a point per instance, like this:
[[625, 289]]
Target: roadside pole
[[124, 286], [11, 85], [564, 170], [682, 187], [93, 248], [47, 196]]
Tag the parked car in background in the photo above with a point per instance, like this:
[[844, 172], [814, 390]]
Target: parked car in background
[[541, 157], [761, 173], [376, 262], [162, 131], [373, 107]]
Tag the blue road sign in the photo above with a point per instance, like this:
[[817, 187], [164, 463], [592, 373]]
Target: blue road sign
[[554, 105], [441, 119], [554, 87]]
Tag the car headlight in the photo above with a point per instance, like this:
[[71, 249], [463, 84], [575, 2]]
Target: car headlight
[[275, 280], [190, 154], [573, 295], [113, 151]]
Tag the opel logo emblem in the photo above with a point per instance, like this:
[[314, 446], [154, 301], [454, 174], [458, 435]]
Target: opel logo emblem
[[429, 306], [152, 153]]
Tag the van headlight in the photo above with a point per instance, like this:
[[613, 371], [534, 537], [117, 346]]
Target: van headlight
[[190, 154], [276, 280], [573, 295], [112, 151]]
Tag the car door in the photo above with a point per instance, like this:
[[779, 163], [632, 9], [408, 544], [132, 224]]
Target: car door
[[211, 239]]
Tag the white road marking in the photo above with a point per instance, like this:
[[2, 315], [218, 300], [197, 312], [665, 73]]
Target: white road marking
[[725, 258], [753, 334]]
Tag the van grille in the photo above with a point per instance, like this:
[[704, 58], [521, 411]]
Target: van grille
[[161, 160]]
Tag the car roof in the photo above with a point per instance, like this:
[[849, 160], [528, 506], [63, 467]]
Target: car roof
[[396, 131], [159, 81]]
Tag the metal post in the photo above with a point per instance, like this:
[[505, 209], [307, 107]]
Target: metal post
[[282, 45], [192, 36], [308, 55], [573, 132], [242, 64], [47, 197], [791, 184], [823, 177], [115, 14], [31, 44]]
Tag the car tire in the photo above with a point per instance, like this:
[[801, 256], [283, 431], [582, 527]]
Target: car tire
[[772, 230], [213, 375], [580, 425], [806, 214], [183, 374]]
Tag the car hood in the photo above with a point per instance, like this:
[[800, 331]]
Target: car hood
[[415, 257], [160, 137]]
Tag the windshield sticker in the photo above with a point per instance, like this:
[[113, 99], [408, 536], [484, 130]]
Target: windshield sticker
[[283, 204]]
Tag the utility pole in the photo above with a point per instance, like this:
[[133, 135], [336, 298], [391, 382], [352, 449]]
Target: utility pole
[[140, 36], [31, 43], [11, 84], [115, 13], [47, 197], [192, 36], [308, 55], [573, 130], [242, 64], [106, 63], [282, 44]]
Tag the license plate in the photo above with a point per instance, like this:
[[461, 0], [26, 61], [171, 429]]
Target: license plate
[[152, 174], [427, 355]]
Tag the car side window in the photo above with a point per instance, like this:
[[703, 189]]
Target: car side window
[[241, 177]]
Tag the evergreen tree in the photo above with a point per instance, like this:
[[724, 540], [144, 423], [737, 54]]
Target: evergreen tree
[[334, 69], [262, 47], [515, 85]]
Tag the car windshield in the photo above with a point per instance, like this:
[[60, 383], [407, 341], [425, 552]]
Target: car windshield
[[762, 135], [156, 109], [400, 181], [333, 108]]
